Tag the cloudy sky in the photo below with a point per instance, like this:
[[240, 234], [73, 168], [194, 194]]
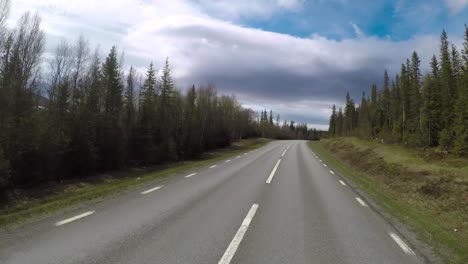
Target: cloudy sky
[[297, 57]]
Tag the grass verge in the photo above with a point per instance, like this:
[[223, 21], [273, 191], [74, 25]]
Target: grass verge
[[426, 191], [38, 202]]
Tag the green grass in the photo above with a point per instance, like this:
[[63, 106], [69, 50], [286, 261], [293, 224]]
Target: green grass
[[423, 189], [25, 206]]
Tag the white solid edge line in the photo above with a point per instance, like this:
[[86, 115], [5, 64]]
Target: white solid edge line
[[332, 172], [402, 244], [232, 248], [152, 190], [270, 178], [190, 175], [228, 160], [214, 166], [361, 201], [66, 221], [342, 183]]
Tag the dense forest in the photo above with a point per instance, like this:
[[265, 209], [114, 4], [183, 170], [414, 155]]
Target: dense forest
[[416, 110], [74, 114]]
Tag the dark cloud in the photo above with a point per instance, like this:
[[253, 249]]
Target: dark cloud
[[289, 86], [298, 77]]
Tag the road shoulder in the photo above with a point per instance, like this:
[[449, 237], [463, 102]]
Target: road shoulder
[[79, 194], [378, 201]]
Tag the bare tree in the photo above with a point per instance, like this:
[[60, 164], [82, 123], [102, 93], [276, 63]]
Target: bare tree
[[60, 66], [4, 11], [81, 52], [29, 46], [80, 60]]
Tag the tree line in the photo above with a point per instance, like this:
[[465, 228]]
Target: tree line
[[429, 110], [271, 127], [75, 114]]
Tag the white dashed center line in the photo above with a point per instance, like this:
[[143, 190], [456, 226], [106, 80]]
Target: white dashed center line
[[66, 221], [342, 183], [332, 172], [284, 152], [232, 248], [325, 165], [402, 244], [214, 166], [270, 178], [152, 190], [228, 160]]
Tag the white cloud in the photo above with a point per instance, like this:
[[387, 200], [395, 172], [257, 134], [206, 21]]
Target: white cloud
[[456, 6], [247, 8], [298, 77]]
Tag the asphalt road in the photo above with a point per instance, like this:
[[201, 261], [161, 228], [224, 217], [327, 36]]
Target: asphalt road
[[277, 204]]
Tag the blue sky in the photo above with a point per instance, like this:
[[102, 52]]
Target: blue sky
[[297, 57], [397, 20]]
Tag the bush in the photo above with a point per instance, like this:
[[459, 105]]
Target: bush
[[460, 146], [445, 140], [4, 172]]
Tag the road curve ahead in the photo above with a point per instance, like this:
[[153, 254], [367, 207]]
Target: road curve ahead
[[277, 204]]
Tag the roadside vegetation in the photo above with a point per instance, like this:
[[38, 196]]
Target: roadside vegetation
[[48, 198], [74, 114], [424, 179], [425, 188], [413, 109]]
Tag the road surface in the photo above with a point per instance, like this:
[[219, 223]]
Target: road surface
[[277, 204]]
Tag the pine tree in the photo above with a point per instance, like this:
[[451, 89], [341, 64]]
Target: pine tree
[[385, 105], [413, 125], [430, 119], [405, 86], [447, 93], [130, 113], [461, 106], [332, 124], [112, 151], [17, 82], [147, 123], [339, 123], [271, 118], [364, 123], [349, 115], [193, 148], [4, 172], [93, 113], [90, 123], [397, 108], [374, 112], [166, 112]]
